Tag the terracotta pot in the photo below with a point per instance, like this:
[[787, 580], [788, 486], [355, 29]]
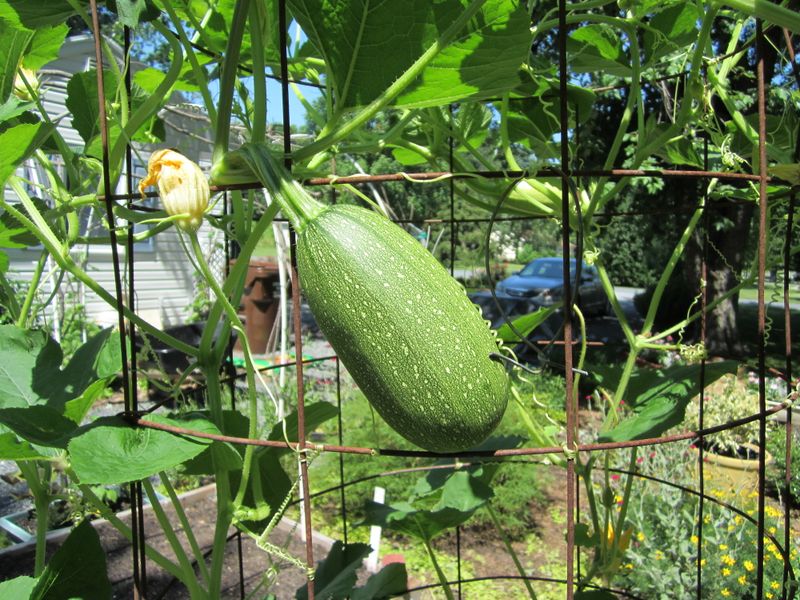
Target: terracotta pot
[[733, 477]]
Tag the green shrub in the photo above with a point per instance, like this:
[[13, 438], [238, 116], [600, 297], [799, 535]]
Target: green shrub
[[776, 445], [661, 561]]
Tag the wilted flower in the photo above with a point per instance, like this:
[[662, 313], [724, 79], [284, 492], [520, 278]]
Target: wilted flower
[[181, 185]]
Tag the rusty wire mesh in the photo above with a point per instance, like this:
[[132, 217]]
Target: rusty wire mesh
[[564, 172]]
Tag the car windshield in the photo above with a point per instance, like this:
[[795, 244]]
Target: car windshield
[[549, 269]]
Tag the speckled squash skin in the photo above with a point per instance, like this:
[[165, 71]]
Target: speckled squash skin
[[412, 340]]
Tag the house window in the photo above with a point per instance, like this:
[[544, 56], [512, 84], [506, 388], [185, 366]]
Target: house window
[[93, 218]]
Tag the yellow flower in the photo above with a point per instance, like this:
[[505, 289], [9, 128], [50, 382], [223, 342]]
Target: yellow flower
[[748, 565], [181, 185], [723, 546], [659, 555], [727, 559], [742, 580], [640, 536], [725, 592], [769, 595], [20, 89], [693, 539], [773, 530], [726, 571], [629, 566], [772, 512], [775, 585]]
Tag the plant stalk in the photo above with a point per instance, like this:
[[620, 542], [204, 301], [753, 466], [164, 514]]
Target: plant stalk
[[448, 592]]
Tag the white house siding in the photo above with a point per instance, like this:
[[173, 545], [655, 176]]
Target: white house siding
[[164, 281]]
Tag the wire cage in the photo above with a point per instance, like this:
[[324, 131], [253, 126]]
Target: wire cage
[[566, 172]]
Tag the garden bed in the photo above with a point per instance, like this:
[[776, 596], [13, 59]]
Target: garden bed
[[200, 509]]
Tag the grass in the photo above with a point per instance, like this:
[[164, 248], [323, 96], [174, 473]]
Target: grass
[[774, 293], [776, 333]]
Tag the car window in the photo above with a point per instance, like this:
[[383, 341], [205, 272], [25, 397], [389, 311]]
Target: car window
[[549, 269]]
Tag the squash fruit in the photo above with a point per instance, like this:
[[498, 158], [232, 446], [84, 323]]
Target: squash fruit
[[407, 332]]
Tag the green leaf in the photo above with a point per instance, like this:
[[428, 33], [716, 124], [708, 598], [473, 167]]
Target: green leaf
[[367, 45], [83, 102], [26, 358], [336, 575], [150, 78], [77, 408], [226, 455], [436, 479], [100, 357], [13, 448], [483, 63], [404, 518], [658, 399], [9, 234], [681, 152], [390, 581], [525, 324], [671, 29], [110, 450], [461, 495], [15, 233], [38, 14], [13, 107], [408, 157], [14, 41], [45, 46], [30, 372], [18, 143], [536, 114], [19, 588], [595, 48], [77, 569], [787, 172], [39, 425], [584, 538], [133, 12], [464, 492]]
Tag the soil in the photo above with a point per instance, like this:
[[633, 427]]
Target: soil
[[200, 511]]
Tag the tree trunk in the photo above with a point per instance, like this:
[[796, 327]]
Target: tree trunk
[[729, 228]]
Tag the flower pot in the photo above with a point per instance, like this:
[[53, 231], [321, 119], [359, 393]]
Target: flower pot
[[733, 478]]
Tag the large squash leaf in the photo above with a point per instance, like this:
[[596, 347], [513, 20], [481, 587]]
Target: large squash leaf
[[337, 574], [18, 143], [110, 450], [31, 373], [77, 569], [368, 44], [461, 495], [658, 399]]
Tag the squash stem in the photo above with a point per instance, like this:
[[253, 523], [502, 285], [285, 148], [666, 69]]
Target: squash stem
[[448, 592], [510, 549], [296, 204]]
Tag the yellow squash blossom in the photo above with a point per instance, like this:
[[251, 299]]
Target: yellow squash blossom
[[21, 90], [181, 185]]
